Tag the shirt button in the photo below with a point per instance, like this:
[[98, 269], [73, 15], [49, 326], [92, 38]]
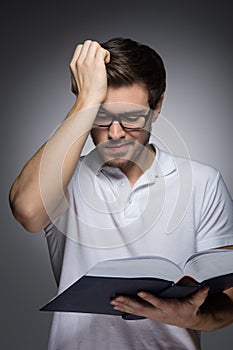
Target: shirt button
[[130, 201], [123, 183]]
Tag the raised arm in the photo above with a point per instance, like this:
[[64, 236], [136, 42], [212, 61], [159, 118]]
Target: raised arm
[[39, 193]]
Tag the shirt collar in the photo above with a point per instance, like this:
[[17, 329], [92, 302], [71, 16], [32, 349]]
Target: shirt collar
[[162, 165]]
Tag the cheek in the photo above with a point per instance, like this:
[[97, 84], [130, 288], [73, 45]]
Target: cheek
[[142, 137], [98, 136]]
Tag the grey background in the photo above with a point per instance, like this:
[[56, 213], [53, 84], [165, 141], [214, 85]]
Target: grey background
[[37, 42]]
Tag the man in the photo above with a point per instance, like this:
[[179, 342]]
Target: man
[[120, 200]]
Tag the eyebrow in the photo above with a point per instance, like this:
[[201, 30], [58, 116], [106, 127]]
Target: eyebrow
[[136, 111]]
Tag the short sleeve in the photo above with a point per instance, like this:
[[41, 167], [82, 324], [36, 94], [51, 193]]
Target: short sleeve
[[215, 228]]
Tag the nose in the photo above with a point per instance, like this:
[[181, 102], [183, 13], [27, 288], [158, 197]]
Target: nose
[[115, 131]]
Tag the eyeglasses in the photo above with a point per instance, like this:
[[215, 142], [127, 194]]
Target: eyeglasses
[[134, 120]]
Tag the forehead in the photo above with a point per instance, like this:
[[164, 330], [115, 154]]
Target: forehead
[[126, 98]]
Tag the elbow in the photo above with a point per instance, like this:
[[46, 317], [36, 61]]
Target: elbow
[[27, 214]]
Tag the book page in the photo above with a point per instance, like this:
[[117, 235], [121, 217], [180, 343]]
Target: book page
[[209, 264], [138, 267]]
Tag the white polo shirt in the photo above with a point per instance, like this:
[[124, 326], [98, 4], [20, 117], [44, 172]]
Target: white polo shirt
[[176, 208]]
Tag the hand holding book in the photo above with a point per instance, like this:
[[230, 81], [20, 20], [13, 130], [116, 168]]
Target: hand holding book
[[183, 313], [159, 276]]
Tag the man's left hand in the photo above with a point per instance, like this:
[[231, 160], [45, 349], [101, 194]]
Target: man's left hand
[[183, 313]]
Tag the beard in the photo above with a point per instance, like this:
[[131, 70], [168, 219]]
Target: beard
[[130, 155], [123, 152], [119, 163]]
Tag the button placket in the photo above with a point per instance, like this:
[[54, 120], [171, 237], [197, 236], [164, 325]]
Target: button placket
[[123, 183], [124, 191], [130, 200]]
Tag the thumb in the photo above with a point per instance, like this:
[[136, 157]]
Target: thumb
[[103, 55], [199, 297], [107, 56]]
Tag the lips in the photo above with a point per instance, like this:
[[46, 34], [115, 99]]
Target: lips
[[117, 147], [112, 144]]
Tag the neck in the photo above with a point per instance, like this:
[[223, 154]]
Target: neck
[[133, 170]]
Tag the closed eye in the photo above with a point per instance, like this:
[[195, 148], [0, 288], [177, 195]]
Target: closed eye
[[131, 118]]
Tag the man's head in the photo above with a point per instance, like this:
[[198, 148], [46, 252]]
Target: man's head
[[136, 84], [132, 62]]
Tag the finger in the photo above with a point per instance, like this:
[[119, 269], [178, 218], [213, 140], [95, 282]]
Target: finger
[[152, 299], [76, 54], [84, 51], [95, 51], [103, 54], [92, 50], [124, 302], [199, 297], [123, 307], [131, 305], [107, 56]]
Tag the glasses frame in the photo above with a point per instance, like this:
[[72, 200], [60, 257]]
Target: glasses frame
[[117, 117]]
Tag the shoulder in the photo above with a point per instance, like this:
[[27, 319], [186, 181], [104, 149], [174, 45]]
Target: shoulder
[[204, 172], [192, 175], [184, 164]]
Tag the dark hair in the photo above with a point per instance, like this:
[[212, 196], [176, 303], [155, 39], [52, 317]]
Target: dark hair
[[132, 62]]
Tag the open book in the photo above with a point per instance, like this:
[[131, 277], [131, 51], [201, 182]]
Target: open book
[[158, 275]]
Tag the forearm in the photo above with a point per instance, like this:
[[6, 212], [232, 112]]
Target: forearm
[[38, 194]]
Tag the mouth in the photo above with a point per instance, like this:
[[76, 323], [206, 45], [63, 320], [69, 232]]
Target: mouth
[[117, 147]]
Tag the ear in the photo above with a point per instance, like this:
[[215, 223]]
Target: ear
[[158, 108]]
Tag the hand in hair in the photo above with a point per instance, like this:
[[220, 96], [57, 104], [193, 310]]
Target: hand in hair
[[88, 72]]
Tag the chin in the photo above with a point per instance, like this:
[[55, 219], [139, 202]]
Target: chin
[[118, 163]]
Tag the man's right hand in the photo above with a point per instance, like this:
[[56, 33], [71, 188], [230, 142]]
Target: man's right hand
[[88, 72]]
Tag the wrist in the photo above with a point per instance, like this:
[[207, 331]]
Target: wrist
[[84, 104], [201, 323]]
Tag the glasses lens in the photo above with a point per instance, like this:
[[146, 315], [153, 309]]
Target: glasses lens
[[103, 120], [130, 121], [133, 122]]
